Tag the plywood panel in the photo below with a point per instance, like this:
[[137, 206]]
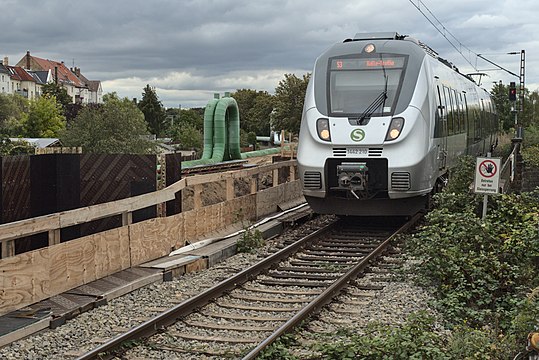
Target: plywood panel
[[112, 252], [201, 222], [292, 190], [153, 238], [216, 218], [267, 200], [72, 264], [178, 222], [24, 279], [189, 225], [58, 268], [80, 259]]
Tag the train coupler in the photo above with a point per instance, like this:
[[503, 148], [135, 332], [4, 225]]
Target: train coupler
[[354, 177]]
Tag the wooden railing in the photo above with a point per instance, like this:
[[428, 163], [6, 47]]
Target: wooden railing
[[54, 222]]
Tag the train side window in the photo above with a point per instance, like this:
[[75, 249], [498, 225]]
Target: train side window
[[479, 121], [458, 122], [439, 114], [454, 107], [493, 125], [462, 113], [449, 107]]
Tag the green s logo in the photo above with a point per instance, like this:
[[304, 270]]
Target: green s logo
[[357, 135]]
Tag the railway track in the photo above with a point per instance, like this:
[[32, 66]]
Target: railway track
[[242, 315]]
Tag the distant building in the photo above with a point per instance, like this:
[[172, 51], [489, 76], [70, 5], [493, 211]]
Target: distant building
[[95, 91], [80, 89], [16, 80], [5, 78]]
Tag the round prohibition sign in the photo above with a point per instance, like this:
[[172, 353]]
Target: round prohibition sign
[[488, 168]]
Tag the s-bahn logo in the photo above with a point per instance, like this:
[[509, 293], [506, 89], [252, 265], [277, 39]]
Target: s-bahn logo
[[357, 135]]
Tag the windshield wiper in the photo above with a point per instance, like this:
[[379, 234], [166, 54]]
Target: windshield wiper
[[380, 100]]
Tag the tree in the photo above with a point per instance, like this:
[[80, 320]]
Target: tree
[[289, 97], [12, 110], [187, 135], [153, 110], [44, 118], [59, 92], [255, 108], [116, 127], [184, 116], [500, 96], [187, 128], [18, 147]]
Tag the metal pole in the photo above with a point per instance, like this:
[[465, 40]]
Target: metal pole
[[485, 198], [485, 204]]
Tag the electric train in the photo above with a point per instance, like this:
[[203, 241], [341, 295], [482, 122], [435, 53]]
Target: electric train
[[384, 119]]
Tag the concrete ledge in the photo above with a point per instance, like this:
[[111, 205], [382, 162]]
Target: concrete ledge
[[119, 284], [177, 265], [21, 323]]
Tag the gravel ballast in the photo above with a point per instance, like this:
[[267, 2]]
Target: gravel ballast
[[88, 330]]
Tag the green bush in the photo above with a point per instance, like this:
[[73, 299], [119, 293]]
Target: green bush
[[279, 350], [479, 269], [531, 136], [250, 241], [415, 339], [530, 155]]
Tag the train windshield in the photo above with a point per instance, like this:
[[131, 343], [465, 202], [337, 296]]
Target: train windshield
[[357, 84]]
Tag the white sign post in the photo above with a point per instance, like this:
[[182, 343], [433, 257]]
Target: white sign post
[[487, 178]]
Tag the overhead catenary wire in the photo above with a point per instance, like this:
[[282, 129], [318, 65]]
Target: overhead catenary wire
[[443, 33], [459, 50]]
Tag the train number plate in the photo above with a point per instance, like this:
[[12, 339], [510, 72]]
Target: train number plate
[[357, 151]]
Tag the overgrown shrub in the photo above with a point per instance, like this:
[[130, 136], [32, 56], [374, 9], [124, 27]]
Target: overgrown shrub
[[415, 339], [531, 136], [530, 155], [279, 350], [249, 241], [481, 271]]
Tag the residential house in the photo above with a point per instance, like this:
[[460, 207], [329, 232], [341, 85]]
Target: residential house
[[4, 77], [95, 91], [16, 80], [81, 91]]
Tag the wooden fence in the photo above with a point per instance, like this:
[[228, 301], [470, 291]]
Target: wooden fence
[[36, 275]]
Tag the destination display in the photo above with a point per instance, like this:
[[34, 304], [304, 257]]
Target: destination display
[[367, 63]]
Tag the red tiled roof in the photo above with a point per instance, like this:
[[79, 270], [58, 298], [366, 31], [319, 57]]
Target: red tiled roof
[[18, 73], [64, 74]]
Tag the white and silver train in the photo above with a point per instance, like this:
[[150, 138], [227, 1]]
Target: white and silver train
[[384, 119]]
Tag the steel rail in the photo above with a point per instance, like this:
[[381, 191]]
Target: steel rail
[[327, 295], [171, 316]]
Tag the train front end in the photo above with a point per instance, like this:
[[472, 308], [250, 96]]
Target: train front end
[[364, 145]]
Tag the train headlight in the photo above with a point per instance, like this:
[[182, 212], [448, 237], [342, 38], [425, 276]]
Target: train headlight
[[322, 128], [395, 129]]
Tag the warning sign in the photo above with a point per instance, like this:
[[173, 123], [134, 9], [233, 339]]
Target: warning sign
[[487, 175]]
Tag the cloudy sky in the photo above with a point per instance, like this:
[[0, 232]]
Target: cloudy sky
[[190, 49]]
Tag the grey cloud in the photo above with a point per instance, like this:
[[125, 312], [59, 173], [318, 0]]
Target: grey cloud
[[220, 39]]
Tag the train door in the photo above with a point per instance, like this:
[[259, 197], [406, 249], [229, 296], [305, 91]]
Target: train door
[[441, 127]]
